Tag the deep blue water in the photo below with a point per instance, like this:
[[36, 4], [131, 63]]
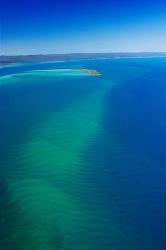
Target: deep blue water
[[122, 182]]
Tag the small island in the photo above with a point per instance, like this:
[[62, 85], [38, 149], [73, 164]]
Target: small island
[[91, 71]]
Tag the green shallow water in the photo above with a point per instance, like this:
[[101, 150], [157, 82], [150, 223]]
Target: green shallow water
[[51, 169], [48, 176]]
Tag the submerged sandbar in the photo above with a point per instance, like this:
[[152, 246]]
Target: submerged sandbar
[[72, 71], [67, 72]]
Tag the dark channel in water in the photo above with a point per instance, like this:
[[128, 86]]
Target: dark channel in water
[[129, 162], [138, 114]]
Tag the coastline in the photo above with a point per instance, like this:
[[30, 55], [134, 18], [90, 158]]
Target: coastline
[[44, 58]]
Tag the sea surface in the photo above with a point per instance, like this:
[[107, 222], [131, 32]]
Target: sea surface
[[83, 157]]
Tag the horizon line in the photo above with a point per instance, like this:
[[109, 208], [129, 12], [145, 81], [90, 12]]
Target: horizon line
[[83, 53]]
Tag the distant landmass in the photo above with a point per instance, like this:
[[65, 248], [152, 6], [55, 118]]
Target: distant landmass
[[4, 60]]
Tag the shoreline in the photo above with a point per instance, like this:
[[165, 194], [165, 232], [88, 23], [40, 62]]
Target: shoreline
[[44, 58]]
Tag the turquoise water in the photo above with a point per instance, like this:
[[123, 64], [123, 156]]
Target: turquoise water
[[82, 157]]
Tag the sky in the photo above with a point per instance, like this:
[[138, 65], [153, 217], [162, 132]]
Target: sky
[[68, 26]]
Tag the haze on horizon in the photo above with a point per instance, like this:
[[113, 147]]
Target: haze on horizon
[[44, 27]]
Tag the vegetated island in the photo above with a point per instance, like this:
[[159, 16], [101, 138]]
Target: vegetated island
[[91, 72]]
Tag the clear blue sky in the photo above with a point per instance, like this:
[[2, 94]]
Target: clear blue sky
[[66, 26]]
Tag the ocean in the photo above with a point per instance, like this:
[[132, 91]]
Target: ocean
[[83, 157]]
